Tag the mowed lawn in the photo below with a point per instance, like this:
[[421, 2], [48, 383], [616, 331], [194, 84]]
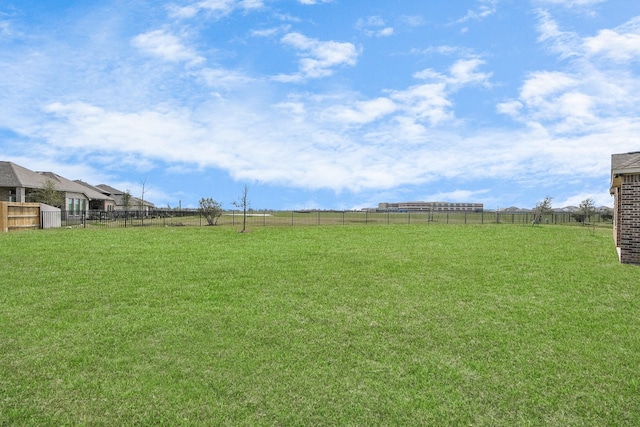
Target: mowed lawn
[[484, 325]]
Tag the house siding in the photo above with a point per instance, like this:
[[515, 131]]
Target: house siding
[[629, 214]]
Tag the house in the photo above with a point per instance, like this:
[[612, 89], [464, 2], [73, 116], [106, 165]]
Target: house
[[625, 188], [106, 204], [17, 184], [135, 204]]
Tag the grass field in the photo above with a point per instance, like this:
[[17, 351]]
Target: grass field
[[484, 325]]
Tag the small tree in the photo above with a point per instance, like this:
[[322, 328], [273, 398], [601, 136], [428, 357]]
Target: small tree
[[211, 210], [587, 208], [243, 202], [126, 203], [542, 208], [143, 211], [48, 194]]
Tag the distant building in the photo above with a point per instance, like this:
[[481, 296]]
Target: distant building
[[431, 207]]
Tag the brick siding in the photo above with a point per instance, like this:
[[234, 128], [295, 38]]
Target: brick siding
[[629, 224]]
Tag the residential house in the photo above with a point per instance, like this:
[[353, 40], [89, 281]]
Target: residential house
[[107, 204], [625, 188], [135, 204], [17, 184]]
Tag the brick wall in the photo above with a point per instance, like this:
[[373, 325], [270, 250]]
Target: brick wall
[[616, 216], [629, 225]]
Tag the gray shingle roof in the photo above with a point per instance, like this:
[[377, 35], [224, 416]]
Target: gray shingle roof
[[73, 187], [12, 175], [625, 161]]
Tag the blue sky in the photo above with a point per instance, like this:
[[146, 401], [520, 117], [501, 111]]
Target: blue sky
[[331, 104]]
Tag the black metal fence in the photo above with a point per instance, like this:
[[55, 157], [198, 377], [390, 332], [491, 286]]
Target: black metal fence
[[193, 218]]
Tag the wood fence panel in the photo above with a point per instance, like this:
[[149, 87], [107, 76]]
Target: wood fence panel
[[19, 216]]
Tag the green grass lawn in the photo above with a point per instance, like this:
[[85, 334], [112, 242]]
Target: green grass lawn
[[484, 325]]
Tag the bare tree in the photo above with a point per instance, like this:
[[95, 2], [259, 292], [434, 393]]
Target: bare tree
[[542, 208], [244, 203], [211, 210], [142, 209]]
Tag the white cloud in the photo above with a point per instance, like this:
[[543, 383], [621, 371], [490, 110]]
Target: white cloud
[[6, 29], [431, 101], [311, 2], [319, 57], [458, 195], [216, 8], [598, 197], [463, 72], [589, 93], [362, 111], [567, 44], [166, 46], [620, 44], [374, 26], [485, 9], [570, 3], [426, 102], [554, 97], [270, 32]]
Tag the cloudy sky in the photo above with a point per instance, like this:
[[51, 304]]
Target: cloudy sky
[[333, 104]]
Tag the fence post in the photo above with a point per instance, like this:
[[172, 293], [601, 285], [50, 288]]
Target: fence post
[[342, 217]]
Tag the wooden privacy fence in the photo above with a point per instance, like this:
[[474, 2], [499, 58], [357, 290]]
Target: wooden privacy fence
[[19, 216]]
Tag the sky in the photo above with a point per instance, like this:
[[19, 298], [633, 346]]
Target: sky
[[324, 104]]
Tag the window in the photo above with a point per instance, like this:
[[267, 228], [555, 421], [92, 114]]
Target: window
[[12, 195], [70, 208]]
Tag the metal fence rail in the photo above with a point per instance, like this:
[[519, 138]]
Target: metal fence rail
[[193, 218]]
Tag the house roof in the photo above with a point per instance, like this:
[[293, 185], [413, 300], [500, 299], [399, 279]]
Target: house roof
[[625, 163], [117, 195], [109, 190], [12, 175], [73, 187]]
